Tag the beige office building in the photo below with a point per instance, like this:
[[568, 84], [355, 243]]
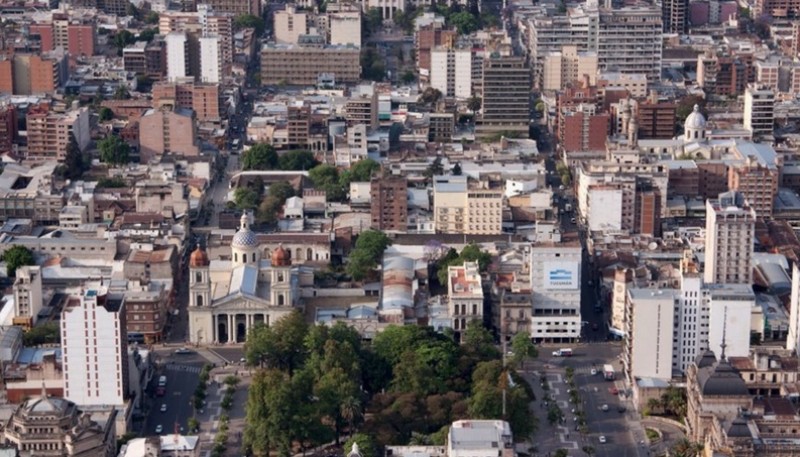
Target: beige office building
[[567, 66], [302, 65], [461, 208]]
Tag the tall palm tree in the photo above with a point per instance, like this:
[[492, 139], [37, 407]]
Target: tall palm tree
[[350, 410]]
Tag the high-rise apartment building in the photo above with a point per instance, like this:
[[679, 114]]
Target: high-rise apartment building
[[556, 298], [759, 110], [567, 66], [345, 28], [581, 128], [506, 97], [461, 208], [362, 106], [76, 36], [166, 131], [777, 8], [730, 235], [8, 127], [290, 24], [147, 58], [27, 74], [451, 72], [675, 14], [28, 295], [177, 56], [235, 7], [627, 39], [428, 37], [667, 329], [203, 99], [656, 118], [388, 197], [210, 59], [755, 174], [95, 349], [205, 22], [49, 132]]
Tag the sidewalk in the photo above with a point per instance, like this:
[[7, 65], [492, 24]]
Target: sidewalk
[[549, 438], [209, 418]]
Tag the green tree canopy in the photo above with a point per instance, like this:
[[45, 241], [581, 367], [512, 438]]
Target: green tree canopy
[[326, 177], [113, 150], [486, 402], [474, 103], [17, 256], [246, 198], [523, 348], [366, 445], [297, 160], [470, 253], [367, 253], [105, 114], [373, 67], [261, 156], [47, 333], [75, 162], [245, 21], [278, 346]]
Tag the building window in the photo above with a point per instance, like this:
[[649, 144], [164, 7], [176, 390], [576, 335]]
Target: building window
[[198, 277], [199, 300], [280, 300]]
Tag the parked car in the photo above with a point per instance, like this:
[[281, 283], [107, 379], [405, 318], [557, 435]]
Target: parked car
[[184, 351], [602, 439], [604, 407]]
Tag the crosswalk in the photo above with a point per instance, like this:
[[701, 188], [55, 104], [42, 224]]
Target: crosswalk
[[184, 368]]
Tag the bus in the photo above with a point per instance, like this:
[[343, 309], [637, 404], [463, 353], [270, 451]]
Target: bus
[[608, 372]]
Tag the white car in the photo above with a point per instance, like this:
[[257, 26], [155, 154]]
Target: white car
[[604, 407], [159, 428], [602, 439], [163, 407], [594, 371]]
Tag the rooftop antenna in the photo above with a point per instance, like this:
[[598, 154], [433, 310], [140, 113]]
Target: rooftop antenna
[[724, 331]]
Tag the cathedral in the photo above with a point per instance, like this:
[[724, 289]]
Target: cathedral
[[228, 297]]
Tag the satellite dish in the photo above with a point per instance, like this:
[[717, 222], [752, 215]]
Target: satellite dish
[[652, 246]]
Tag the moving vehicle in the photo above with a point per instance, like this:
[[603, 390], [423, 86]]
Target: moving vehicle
[[159, 428], [608, 372], [594, 371], [602, 439], [604, 408], [568, 207], [160, 391], [184, 351], [163, 407], [564, 352]]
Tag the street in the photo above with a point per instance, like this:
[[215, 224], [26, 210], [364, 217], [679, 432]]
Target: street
[[182, 372], [623, 431]]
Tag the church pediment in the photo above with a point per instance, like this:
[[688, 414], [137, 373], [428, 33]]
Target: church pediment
[[238, 302]]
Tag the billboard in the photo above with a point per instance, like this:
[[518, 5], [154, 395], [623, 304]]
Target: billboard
[[561, 275]]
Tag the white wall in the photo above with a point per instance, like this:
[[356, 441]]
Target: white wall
[[605, 209], [652, 327], [89, 332], [793, 339], [736, 323], [176, 55], [210, 60]]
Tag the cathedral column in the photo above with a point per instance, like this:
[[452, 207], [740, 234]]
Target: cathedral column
[[231, 328], [249, 326]]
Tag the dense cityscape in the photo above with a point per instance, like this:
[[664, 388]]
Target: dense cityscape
[[399, 228]]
